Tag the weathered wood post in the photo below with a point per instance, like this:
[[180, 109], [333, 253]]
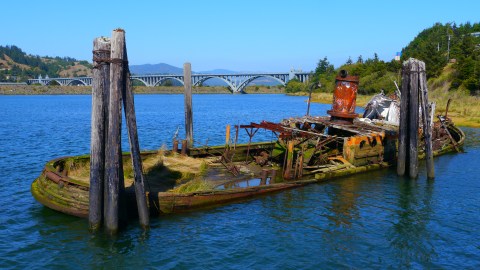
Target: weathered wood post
[[100, 90], [273, 175], [403, 128], [427, 124], [413, 119], [131, 121], [187, 81], [263, 177], [184, 148], [413, 87], [175, 146], [113, 148]]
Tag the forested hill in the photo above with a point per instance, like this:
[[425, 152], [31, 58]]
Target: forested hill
[[16, 65], [442, 44], [455, 63]]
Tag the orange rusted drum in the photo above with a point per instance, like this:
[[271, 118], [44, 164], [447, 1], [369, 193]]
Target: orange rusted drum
[[344, 98]]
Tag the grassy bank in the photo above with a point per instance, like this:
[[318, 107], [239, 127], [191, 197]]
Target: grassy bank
[[327, 98], [86, 90]]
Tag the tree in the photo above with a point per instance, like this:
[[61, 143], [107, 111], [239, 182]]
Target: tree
[[360, 59], [295, 86], [349, 61], [324, 67]]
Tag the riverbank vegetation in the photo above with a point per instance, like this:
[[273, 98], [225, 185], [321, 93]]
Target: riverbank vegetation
[[18, 66], [86, 90], [452, 56]]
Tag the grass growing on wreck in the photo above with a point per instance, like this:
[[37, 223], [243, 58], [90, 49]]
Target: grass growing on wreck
[[176, 173], [195, 185], [193, 182]]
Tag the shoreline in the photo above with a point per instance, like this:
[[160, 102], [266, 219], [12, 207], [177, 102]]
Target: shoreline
[[27, 90], [464, 110]]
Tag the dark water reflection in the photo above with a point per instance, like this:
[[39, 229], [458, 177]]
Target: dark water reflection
[[372, 220]]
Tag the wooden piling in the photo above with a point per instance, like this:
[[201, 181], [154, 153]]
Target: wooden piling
[[187, 81], [131, 122], [426, 119], [175, 146], [263, 177], [273, 175], [403, 128], [184, 147], [413, 119], [100, 85], [113, 146]]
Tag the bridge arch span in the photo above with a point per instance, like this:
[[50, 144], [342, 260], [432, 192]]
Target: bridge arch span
[[167, 78], [244, 84], [76, 81], [229, 83], [140, 80], [53, 80]]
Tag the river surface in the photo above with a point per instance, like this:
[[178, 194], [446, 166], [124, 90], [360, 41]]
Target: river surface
[[373, 220]]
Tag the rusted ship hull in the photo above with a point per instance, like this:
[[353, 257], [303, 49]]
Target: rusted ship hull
[[56, 189]]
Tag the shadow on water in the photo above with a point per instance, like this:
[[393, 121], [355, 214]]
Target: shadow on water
[[409, 237]]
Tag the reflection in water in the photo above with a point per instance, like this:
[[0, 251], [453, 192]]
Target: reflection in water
[[409, 237], [343, 196], [341, 213]]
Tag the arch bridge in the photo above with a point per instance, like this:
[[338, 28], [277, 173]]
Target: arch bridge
[[236, 82]]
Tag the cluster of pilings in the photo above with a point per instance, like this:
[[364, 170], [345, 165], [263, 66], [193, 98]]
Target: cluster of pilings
[[414, 99], [112, 88]]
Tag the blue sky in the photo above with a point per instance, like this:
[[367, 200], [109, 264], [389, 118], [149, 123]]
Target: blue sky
[[236, 35]]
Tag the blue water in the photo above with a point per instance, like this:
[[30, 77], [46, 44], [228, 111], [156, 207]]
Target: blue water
[[373, 220]]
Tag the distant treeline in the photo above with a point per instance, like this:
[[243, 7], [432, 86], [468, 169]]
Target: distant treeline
[[18, 71], [437, 46]]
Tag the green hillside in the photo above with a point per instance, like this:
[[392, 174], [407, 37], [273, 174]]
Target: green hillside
[[17, 66], [437, 46]]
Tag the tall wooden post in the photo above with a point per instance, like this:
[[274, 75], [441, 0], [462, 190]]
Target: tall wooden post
[[131, 121], [113, 151], [187, 81], [100, 90], [413, 79], [403, 129], [413, 119], [427, 124]]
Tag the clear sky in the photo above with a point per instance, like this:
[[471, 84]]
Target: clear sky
[[236, 35]]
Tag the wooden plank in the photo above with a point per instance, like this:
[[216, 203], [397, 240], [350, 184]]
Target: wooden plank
[[289, 163], [113, 147], [100, 85], [131, 122], [427, 127]]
